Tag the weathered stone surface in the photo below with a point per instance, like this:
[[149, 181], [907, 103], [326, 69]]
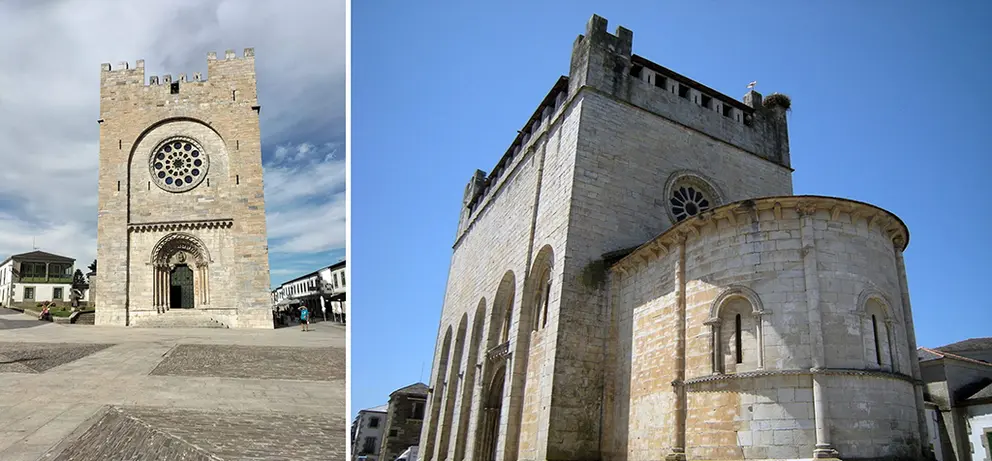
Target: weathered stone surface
[[228, 361], [157, 434], [40, 357]]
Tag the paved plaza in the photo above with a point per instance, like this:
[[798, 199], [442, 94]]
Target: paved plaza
[[87, 393]]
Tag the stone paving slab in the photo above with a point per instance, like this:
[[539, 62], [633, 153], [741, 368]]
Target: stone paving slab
[[313, 364], [117, 435], [40, 357], [42, 411]]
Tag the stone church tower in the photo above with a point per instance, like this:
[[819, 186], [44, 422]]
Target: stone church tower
[[635, 281], [181, 237]]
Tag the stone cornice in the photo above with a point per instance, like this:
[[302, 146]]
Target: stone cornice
[[174, 226], [803, 205]]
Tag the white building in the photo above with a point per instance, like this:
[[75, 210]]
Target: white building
[[35, 277], [324, 290], [366, 433]]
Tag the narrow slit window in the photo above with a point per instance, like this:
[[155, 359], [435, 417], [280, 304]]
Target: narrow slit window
[[118, 186], [149, 185], [208, 182], [874, 334], [234, 95], [237, 179], [737, 339], [547, 299], [237, 144], [120, 144]]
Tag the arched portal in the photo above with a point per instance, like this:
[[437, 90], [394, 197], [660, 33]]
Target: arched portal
[[491, 413], [181, 275]]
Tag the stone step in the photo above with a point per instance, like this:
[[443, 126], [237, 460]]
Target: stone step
[[180, 318], [86, 319]]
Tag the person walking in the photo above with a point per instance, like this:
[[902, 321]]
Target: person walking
[[305, 318]]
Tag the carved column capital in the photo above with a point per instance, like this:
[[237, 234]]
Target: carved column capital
[[805, 209]]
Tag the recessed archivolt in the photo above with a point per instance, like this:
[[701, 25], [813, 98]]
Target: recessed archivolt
[[730, 293], [177, 242], [872, 293]]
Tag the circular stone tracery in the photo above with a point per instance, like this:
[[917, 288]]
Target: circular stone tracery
[[687, 201], [178, 164]]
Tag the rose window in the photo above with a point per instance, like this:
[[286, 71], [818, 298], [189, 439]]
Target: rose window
[[687, 201], [178, 165]]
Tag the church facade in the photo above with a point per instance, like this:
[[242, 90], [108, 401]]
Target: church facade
[[635, 280], [181, 237]]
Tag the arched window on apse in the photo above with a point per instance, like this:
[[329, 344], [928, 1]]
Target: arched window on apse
[[878, 333], [735, 332]]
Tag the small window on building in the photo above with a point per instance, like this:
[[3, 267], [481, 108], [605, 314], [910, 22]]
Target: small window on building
[[727, 110], [417, 411], [636, 70], [393, 432], [174, 88], [874, 334], [374, 422], [707, 102], [369, 445], [683, 91], [738, 347], [29, 293], [57, 294], [659, 81]]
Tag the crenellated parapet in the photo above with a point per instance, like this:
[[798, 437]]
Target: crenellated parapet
[[124, 73], [604, 62], [482, 186]]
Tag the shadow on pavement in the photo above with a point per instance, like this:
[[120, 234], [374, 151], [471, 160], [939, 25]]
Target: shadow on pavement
[[12, 320]]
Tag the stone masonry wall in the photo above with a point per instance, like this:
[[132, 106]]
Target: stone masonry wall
[[131, 111], [755, 247], [499, 243]]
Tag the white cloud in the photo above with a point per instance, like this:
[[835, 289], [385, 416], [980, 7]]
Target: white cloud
[[50, 52]]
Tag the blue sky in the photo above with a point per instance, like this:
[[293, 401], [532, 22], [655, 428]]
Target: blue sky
[[890, 106], [49, 104]]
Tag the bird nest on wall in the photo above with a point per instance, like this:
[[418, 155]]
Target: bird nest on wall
[[777, 100]]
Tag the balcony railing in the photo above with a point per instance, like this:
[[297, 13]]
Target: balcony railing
[[43, 279]]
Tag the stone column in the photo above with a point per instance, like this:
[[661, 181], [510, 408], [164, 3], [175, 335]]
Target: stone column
[[166, 287], [157, 289], [907, 315], [893, 366], [206, 285], [759, 317], [824, 448], [677, 452], [715, 344]]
